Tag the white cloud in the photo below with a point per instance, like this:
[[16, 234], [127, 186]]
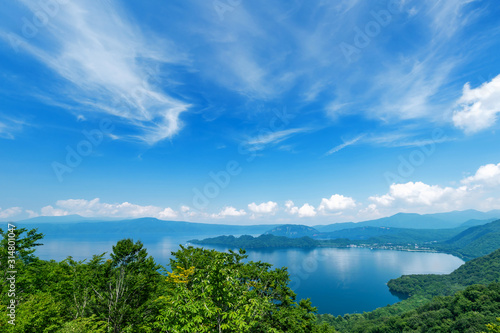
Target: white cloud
[[369, 212], [32, 213], [488, 174], [185, 209], [229, 211], [269, 207], [109, 64], [9, 212], [384, 200], [167, 213], [10, 126], [479, 191], [478, 108], [305, 211], [291, 208], [337, 202], [419, 193], [272, 137], [96, 208], [51, 211], [343, 145]]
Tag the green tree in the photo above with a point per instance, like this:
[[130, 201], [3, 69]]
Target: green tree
[[211, 291], [494, 328], [125, 287], [16, 253]]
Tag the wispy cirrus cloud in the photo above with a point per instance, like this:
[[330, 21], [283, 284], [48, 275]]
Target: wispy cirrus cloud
[[267, 138], [107, 64], [344, 145], [10, 126]]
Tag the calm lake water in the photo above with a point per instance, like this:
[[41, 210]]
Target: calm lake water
[[338, 281]]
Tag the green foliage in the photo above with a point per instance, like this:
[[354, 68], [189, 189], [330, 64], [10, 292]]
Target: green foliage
[[122, 289], [40, 312], [482, 270], [397, 236], [211, 291], [293, 231], [114, 295], [25, 242], [467, 311], [494, 328], [474, 242], [84, 325]]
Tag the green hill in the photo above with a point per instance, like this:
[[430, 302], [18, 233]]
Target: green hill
[[474, 241], [468, 311], [293, 231], [392, 235], [263, 241], [417, 221], [482, 270]]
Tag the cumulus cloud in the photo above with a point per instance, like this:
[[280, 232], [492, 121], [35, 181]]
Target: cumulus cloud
[[305, 211], [418, 193], [96, 208], [9, 212], [291, 208], [229, 211], [478, 107], [51, 211], [383, 200], [269, 207], [336, 202], [369, 212], [488, 174]]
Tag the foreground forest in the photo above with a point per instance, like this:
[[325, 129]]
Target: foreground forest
[[210, 291]]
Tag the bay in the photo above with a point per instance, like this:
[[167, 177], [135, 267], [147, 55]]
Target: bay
[[338, 281]]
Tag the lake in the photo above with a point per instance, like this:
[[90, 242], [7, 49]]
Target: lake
[[338, 281]]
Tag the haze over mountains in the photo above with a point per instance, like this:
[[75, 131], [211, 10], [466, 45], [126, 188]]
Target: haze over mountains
[[74, 224]]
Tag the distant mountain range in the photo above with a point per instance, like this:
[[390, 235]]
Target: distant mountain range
[[466, 243], [77, 225], [417, 221], [383, 227]]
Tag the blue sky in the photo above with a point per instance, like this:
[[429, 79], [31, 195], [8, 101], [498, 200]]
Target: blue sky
[[235, 111]]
